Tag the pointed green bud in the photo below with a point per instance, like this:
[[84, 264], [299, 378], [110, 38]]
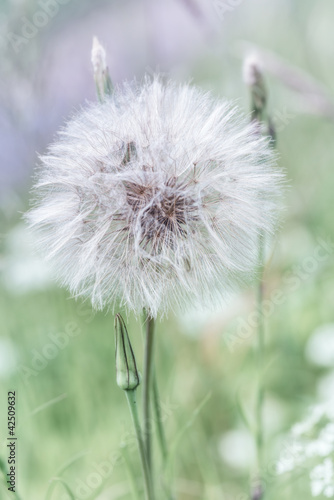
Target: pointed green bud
[[253, 77], [127, 375], [101, 73]]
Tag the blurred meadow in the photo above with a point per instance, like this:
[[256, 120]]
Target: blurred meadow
[[72, 419]]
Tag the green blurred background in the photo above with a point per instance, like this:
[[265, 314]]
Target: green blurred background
[[58, 355]]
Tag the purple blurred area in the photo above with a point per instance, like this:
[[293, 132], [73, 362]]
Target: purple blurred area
[[45, 78], [46, 74]]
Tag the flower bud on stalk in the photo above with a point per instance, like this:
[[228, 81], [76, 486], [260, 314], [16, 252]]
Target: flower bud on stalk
[[126, 369], [101, 73], [253, 77]]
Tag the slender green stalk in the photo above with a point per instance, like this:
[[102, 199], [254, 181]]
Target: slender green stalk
[[131, 397], [147, 385], [160, 428], [260, 362], [259, 113], [131, 474]]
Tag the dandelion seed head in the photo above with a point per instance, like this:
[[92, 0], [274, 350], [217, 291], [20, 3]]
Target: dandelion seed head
[[156, 198]]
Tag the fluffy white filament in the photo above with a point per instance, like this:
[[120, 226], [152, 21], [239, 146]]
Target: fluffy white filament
[[155, 198]]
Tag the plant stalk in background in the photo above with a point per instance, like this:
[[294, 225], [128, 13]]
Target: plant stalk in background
[[253, 77], [158, 419], [151, 398]]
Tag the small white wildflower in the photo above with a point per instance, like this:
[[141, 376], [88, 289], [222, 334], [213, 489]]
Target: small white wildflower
[[328, 433], [312, 441], [318, 447], [322, 479], [314, 416], [291, 457], [156, 197]]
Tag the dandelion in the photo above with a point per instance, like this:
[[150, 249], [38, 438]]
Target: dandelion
[[156, 198]]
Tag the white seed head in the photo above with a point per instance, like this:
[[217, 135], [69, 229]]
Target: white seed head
[[155, 198]]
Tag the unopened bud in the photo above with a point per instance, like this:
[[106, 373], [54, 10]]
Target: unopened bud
[[127, 376], [101, 73], [253, 77]]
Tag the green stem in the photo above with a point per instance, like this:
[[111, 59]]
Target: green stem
[[258, 108], [131, 474], [131, 397], [160, 428], [147, 384], [260, 362]]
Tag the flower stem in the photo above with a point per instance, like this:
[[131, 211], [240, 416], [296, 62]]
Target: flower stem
[[131, 397], [160, 428], [147, 385], [258, 108], [131, 474], [260, 362]]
